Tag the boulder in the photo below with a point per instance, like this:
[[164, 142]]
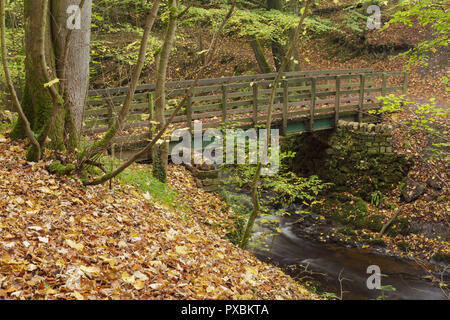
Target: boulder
[[413, 191]]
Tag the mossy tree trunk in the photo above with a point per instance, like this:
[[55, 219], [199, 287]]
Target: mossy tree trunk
[[278, 50], [36, 99], [160, 150], [72, 50], [294, 7], [263, 65]]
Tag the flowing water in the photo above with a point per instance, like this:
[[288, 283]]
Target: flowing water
[[329, 261]]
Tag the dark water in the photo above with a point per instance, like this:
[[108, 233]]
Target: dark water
[[328, 261]]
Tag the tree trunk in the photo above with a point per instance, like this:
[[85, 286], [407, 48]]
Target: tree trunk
[[278, 50], [263, 65], [36, 100], [295, 9], [160, 154], [72, 63]]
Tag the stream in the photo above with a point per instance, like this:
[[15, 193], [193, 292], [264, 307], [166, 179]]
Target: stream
[[288, 247]]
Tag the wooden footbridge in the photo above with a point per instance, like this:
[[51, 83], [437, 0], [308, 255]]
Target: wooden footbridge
[[305, 101]]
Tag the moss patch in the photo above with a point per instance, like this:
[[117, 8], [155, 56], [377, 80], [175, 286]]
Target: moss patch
[[442, 257], [376, 242], [59, 168], [352, 212]]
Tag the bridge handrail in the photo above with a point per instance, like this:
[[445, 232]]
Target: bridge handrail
[[185, 83], [329, 95]]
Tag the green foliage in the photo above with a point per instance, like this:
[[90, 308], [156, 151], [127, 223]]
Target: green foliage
[[111, 12], [263, 24], [383, 291], [352, 212], [445, 81], [376, 198], [391, 104], [431, 13], [287, 185], [59, 168], [291, 188], [376, 242], [142, 179], [102, 50], [355, 19], [14, 44], [426, 118]]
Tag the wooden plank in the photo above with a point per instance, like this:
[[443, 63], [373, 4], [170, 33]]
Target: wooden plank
[[171, 93], [204, 82], [285, 107], [224, 103], [241, 103], [255, 104], [189, 114], [298, 113], [398, 88], [207, 107], [207, 88], [240, 94], [95, 101], [135, 138], [151, 111], [373, 90], [269, 91], [362, 84], [206, 98], [323, 87], [313, 104]]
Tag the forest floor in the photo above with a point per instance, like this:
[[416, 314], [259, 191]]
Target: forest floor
[[60, 240]]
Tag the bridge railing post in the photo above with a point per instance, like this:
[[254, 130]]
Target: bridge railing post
[[362, 84], [151, 111], [224, 103], [189, 114], [312, 108], [337, 103], [405, 83], [255, 103], [383, 84], [285, 85]]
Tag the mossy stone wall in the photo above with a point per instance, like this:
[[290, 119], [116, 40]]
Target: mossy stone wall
[[348, 159]]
